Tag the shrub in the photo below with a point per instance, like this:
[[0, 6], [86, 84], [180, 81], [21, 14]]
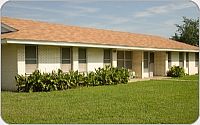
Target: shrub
[[37, 81], [176, 71]]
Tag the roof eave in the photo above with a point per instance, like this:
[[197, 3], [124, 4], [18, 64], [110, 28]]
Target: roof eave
[[79, 44]]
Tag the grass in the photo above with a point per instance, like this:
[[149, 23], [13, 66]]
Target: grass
[[155, 101], [191, 77]]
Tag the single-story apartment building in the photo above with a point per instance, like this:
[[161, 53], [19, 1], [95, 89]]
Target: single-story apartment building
[[27, 45]]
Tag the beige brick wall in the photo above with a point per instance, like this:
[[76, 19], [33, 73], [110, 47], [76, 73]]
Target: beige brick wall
[[137, 63], [8, 66], [159, 63]]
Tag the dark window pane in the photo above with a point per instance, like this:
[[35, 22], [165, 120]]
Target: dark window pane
[[181, 56], [66, 61], [120, 63], [181, 59], [145, 63], [120, 54], [107, 54], [169, 60], [82, 53], [169, 56], [196, 56], [31, 61], [30, 55], [151, 57], [106, 61], [66, 53], [187, 57], [196, 59], [128, 55], [128, 64], [82, 61], [30, 51], [146, 55]]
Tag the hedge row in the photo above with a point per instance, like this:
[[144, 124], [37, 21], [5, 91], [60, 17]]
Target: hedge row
[[37, 81]]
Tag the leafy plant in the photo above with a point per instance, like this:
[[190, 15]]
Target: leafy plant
[[176, 71], [37, 81]]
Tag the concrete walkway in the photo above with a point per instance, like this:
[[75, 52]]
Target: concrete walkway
[[157, 78]]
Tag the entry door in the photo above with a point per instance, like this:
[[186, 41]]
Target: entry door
[[151, 65]]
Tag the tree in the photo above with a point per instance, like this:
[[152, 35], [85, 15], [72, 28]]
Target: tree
[[188, 32]]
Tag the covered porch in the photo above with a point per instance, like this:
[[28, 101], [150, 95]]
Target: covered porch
[[143, 64]]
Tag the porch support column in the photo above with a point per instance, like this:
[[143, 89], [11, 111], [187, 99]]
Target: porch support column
[[75, 58], [166, 63], [114, 58], [184, 62]]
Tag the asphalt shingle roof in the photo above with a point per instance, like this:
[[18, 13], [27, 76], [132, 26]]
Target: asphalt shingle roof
[[43, 31]]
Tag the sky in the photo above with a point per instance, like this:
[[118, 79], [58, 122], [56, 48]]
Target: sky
[[156, 17]]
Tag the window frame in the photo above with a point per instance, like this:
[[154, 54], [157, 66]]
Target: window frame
[[146, 59], [70, 54], [85, 60], [169, 54], [181, 60], [31, 59], [110, 59], [196, 59], [124, 59], [187, 59]]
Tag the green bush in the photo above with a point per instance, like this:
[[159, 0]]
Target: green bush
[[37, 81], [176, 71]]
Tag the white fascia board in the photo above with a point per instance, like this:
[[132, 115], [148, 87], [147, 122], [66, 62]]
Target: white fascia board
[[78, 44]]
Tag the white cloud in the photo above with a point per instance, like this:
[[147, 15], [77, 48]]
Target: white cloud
[[74, 11], [163, 9]]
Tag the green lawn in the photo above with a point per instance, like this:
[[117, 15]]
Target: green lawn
[[191, 77], [155, 101]]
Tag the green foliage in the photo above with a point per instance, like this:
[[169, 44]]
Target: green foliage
[[176, 71], [188, 32], [37, 81]]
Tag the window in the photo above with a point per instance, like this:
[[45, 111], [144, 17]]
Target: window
[[146, 56], [82, 55], [181, 59], [124, 59], [31, 54], [107, 56], [169, 59], [120, 58], [66, 55], [151, 57], [187, 59], [196, 59], [128, 59]]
